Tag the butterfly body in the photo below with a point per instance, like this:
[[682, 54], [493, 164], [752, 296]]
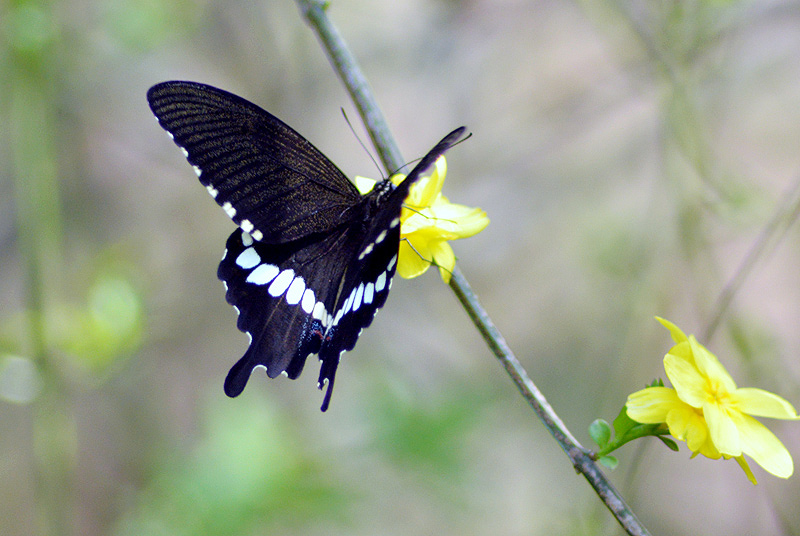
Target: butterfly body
[[312, 260]]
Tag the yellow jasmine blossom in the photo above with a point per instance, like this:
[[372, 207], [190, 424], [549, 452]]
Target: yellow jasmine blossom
[[708, 411], [428, 220]]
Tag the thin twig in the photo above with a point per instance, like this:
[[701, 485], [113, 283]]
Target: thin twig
[[346, 66], [771, 235]]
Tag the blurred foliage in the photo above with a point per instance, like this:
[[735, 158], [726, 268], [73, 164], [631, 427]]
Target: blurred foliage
[[254, 471], [250, 474], [92, 338], [425, 437], [106, 329], [143, 25]]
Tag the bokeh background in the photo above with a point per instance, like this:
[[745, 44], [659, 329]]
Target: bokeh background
[[629, 153]]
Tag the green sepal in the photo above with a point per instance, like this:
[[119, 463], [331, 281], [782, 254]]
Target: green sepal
[[609, 461], [600, 432], [625, 430]]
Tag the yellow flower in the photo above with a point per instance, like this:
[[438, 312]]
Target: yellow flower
[[710, 413], [428, 220]]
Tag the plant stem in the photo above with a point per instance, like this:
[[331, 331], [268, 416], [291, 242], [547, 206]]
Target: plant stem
[[31, 128], [347, 68], [774, 231]]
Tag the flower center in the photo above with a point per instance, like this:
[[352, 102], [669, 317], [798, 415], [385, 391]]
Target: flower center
[[717, 394]]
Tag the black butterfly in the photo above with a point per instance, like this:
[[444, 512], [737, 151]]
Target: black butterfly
[[313, 259]]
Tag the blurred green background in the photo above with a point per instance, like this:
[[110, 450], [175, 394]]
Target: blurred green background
[[629, 153]]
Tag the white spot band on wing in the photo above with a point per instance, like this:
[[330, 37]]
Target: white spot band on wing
[[263, 274], [295, 292], [281, 283], [248, 259]]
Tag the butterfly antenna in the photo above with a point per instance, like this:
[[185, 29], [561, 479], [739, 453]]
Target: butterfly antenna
[[375, 162], [360, 142], [459, 142]]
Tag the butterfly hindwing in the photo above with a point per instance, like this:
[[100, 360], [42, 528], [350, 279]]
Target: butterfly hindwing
[[299, 299], [269, 179], [284, 295], [312, 260]]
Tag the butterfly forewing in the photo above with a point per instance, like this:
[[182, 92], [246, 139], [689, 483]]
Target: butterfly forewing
[[365, 287], [313, 260], [255, 166]]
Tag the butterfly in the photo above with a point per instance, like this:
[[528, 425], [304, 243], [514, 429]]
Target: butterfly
[[312, 259]]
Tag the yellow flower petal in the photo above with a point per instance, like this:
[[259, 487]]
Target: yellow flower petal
[[762, 445], [710, 367], [411, 263], [762, 403], [687, 424], [677, 335], [722, 429], [651, 405], [688, 382], [444, 258], [422, 248], [459, 220], [414, 223], [424, 222], [430, 187]]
